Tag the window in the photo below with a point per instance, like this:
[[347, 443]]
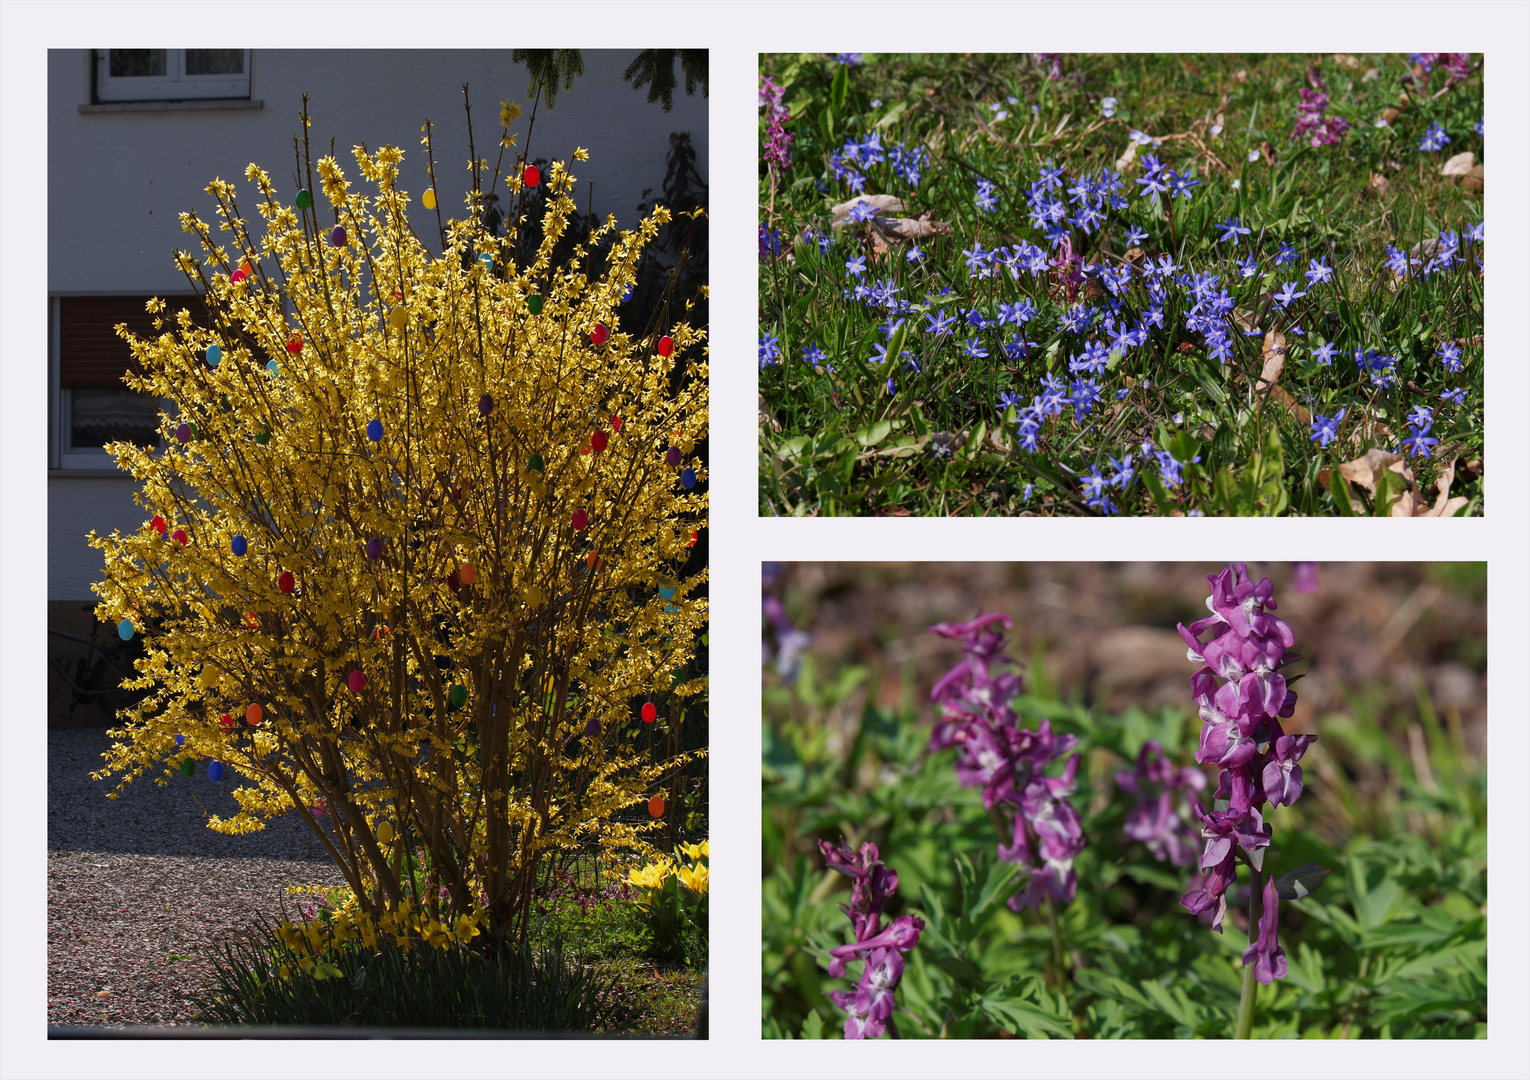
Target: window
[[171, 74], [93, 408]]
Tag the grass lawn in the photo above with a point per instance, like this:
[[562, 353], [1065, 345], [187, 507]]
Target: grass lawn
[[1228, 284]]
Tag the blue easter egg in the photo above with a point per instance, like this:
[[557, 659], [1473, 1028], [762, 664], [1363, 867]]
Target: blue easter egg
[[180, 740], [215, 770], [214, 354], [375, 430], [688, 477], [240, 545], [666, 592], [487, 260], [125, 629], [272, 368]]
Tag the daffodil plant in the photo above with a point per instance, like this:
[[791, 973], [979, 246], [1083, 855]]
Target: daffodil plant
[[412, 549], [671, 892]]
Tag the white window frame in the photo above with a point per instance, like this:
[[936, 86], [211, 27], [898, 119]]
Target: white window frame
[[174, 85]]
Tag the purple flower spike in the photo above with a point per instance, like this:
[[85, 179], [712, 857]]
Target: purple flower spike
[[1156, 822], [1043, 832], [869, 1007], [1242, 696], [1268, 958]]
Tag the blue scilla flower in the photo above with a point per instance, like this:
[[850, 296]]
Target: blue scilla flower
[[770, 350]]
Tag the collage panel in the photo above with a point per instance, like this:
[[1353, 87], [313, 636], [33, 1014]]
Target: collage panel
[[1124, 800], [1180, 284], [377, 551]]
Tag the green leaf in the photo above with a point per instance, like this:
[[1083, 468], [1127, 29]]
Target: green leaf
[[841, 87], [874, 434], [975, 437], [892, 114], [1305, 969], [1024, 1008], [812, 1027]]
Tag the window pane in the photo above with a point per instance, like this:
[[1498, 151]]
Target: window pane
[[137, 62], [214, 61], [100, 416]]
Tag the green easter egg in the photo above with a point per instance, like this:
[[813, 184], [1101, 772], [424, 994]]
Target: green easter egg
[[458, 696], [536, 463], [188, 767], [534, 304], [303, 200]]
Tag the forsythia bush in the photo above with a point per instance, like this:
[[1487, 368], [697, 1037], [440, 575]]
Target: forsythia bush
[[410, 562]]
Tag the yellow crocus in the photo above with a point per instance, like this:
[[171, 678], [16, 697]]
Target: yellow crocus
[[651, 876], [694, 878]]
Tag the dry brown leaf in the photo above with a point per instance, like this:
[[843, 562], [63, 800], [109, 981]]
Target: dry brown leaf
[[1380, 185], [1126, 158], [1272, 358], [890, 203], [1472, 181], [1444, 505], [1244, 317], [1135, 255], [1351, 62], [914, 228], [1367, 470], [1240, 76], [1460, 165], [1389, 113], [1371, 74], [1268, 152], [878, 244]]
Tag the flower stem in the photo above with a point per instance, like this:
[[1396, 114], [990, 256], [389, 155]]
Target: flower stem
[[1059, 968], [1250, 987]]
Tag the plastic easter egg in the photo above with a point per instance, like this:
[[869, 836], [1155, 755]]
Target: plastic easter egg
[[180, 537], [688, 477], [469, 575], [534, 304], [656, 806], [286, 582], [189, 767], [273, 367], [157, 523], [650, 714], [457, 696], [384, 832], [295, 344], [532, 176], [225, 721], [592, 728], [486, 260], [584, 448], [239, 545], [303, 200], [357, 681], [692, 541], [454, 581], [180, 740], [627, 294], [374, 548], [579, 520], [251, 620], [428, 200], [375, 430], [398, 318], [666, 592], [263, 436], [666, 345], [214, 354], [598, 442], [215, 771], [616, 422], [599, 334], [125, 629], [237, 276], [337, 236], [672, 456], [485, 405], [246, 269], [183, 433], [253, 714], [593, 560], [381, 632], [536, 464]]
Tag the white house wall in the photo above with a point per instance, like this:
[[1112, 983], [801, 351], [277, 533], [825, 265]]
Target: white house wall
[[118, 180]]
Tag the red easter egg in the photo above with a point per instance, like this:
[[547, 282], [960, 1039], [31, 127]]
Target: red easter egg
[[158, 524], [598, 441], [252, 715], [666, 345], [580, 519], [616, 423], [295, 344], [693, 539], [286, 582], [656, 806], [236, 277], [226, 720], [599, 334], [181, 537], [650, 714], [468, 574], [532, 176], [357, 682]]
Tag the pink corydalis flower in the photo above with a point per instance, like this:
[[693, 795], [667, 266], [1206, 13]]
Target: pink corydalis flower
[[1242, 697], [1157, 821], [1005, 759], [869, 1007]]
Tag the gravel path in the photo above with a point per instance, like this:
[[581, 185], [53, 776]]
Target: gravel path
[[140, 891]]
